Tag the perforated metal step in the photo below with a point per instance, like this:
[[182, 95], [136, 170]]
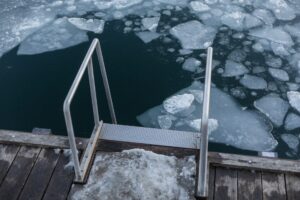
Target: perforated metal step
[[151, 136]]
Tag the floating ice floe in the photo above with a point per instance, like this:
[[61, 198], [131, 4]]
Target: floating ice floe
[[235, 126], [294, 99], [274, 34], [274, 62], [150, 23], [239, 21], [191, 64], [253, 82], [194, 35], [272, 107], [148, 36], [60, 34], [280, 8], [291, 140], [292, 121], [234, 69], [94, 25], [138, 174], [279, 74]]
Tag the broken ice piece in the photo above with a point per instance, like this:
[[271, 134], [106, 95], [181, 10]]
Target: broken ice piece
[[234, 69], [93, 25], [147, 36], [196, 124], [150, 23], [178, 103], [294, 99]]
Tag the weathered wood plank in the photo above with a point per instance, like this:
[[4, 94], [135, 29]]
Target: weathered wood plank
[[30, 139], [225, 184], [292, 186], [211, 182], [40, 175], [254, 162], [7, 156], [61, 180], [273, 186], [18, 173], [249, 185]]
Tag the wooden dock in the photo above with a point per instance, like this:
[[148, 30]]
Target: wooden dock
[[34, 167]]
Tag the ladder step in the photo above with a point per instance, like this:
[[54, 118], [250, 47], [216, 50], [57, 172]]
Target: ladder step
[[152, 136]]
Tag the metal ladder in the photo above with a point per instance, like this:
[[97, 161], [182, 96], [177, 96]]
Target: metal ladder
[[82, 168]]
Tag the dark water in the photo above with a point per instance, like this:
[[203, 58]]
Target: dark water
[[33, 88]]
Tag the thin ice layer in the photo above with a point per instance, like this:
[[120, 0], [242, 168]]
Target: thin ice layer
[[235, 124], [58, 35]]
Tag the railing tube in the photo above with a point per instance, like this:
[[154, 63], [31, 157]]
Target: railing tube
[[201, 185]]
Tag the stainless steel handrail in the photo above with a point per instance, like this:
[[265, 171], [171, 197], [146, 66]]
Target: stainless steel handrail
[[81, 168], [202, 169]]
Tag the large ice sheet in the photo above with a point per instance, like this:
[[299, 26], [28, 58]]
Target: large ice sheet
[[19, 22], [236, 126], [60, 34], [194, 35]]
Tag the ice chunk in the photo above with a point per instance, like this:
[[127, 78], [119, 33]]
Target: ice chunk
[[279, 49], [138, 174], [276, 34], [294, 99], [178, 103], [292, 121], [273, 107], [291, 140], [194, 35], [150, 23], [264, 15], [251, 22], [281, 9], [196, 125], [121, 4], [198, 94], [279, 74], [274, 62], [234, 69], [237, 55], [199, 6], [253, 82], [191, 64], [58, 35], [258, 47], [147, 36], [235, 20], [94, 25], [235, 124], [165, 121]]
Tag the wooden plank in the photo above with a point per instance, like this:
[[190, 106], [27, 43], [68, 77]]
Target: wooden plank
[[254, 162], [273, 186], [211, 182], [249, 185], [225, 184], [7, 156], [18, 173], [30, 139], [61, 180], [292, 186], [40, 175]]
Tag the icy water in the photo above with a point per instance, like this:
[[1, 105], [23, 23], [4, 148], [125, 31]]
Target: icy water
[[155, 58]]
